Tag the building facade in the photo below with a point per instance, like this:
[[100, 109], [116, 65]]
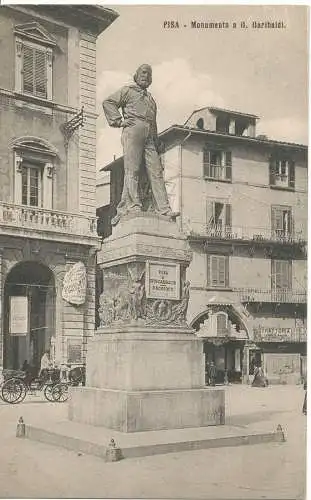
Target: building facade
[[48, 236], [243, 204]]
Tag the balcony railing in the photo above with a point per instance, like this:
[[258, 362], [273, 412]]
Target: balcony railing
[[254, 234], [278, 295], [297, 334], [46, 220]]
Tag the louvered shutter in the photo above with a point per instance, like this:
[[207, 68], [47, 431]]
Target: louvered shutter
[[214, 270], [28, 70], [228, 160], [226, 259], [40, 74], [218, 274], [221, 271], [276, 219], [206, 162], [210, 212], [291, 174], [228, 219]]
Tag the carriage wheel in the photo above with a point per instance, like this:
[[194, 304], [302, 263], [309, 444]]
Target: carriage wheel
[[60, 393], [48, 393], [13, 391]]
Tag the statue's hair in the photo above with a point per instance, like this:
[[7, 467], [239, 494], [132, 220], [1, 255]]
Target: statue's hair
[[137, 71]]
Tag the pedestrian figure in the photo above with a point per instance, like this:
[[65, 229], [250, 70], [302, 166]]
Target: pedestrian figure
[[45, 364], [259, 378], [304, 407], [212, 373]]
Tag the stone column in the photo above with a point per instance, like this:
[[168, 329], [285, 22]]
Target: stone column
[[245, 366]]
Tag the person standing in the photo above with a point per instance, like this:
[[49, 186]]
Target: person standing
[[212, 373], [304, 406], [45, 364]]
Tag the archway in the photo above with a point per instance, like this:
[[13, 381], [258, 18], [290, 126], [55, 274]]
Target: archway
[[225, 334], [29, 314]]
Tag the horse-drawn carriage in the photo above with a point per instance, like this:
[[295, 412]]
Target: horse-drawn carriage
[[18, 383]]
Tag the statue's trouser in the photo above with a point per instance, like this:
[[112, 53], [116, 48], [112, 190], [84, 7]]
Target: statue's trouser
[[138, 143]]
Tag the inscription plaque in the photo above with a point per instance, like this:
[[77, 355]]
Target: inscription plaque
[[162, 280]]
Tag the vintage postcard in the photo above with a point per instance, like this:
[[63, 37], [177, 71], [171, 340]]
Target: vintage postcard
[[153, 251]]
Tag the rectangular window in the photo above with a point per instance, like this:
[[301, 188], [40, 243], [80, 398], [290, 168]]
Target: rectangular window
[[281, 221], [281, 274], [31, 185], [219, 218], [218, 271], [34, 71], [282, 173], [217, 164]]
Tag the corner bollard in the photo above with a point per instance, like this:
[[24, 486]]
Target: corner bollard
[[20, 429], [113, 454], [280, 433]]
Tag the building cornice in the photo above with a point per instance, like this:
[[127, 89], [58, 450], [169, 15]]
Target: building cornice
[[93, 19]]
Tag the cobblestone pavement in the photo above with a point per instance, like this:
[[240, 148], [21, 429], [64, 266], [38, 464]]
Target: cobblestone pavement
[[270, 471]]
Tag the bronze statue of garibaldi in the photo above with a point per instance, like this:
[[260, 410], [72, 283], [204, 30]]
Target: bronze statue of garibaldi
[[142, 164]]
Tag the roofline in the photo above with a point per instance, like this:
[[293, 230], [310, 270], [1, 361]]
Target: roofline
[[239, 113], [232, 112], [189, 130], [271, 142]]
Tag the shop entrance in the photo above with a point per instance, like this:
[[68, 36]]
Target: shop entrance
[[29, 315]]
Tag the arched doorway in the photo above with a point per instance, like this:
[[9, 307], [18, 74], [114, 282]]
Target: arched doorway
[[225, 336], [29, 314]]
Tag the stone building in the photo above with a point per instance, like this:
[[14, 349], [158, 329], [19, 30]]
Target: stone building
[[47, 180], [243, 204]]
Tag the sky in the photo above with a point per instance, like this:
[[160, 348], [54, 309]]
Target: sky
[[257, 71]]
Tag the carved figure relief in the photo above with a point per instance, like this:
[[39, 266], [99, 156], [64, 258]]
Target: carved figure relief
[[124, 300], [74, 284]]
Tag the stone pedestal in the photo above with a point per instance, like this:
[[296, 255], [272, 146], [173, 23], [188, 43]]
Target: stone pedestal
[[145, 366]]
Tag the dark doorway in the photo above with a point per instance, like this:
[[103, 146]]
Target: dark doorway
[[29, 314]]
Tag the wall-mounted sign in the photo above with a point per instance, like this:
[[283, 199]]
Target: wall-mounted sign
[[18, 315], [162, 280], [74, 351]]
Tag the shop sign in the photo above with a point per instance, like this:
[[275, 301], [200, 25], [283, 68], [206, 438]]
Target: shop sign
[[18, 315]]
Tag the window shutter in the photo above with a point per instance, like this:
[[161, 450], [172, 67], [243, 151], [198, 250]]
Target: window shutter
[[228, 220], [276, 218], [291, 174], [272, 171], [222, 271], [28, 69], [228, 160], [206, 162], [226, 259], [289, 267], [210, 212], [40, 73], [214, 270]]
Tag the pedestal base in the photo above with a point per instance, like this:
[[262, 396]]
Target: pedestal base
[[132, 411]]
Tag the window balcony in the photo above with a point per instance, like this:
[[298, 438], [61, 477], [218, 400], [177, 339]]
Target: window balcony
[[244, 233], [297, 334], [40, 223], [278, 295]]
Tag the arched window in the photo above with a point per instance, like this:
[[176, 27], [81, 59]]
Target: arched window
[[34, 161]]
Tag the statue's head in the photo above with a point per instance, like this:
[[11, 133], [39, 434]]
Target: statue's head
[[143, 76]]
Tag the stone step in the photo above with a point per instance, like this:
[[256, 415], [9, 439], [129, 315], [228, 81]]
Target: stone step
[[90, 440]]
